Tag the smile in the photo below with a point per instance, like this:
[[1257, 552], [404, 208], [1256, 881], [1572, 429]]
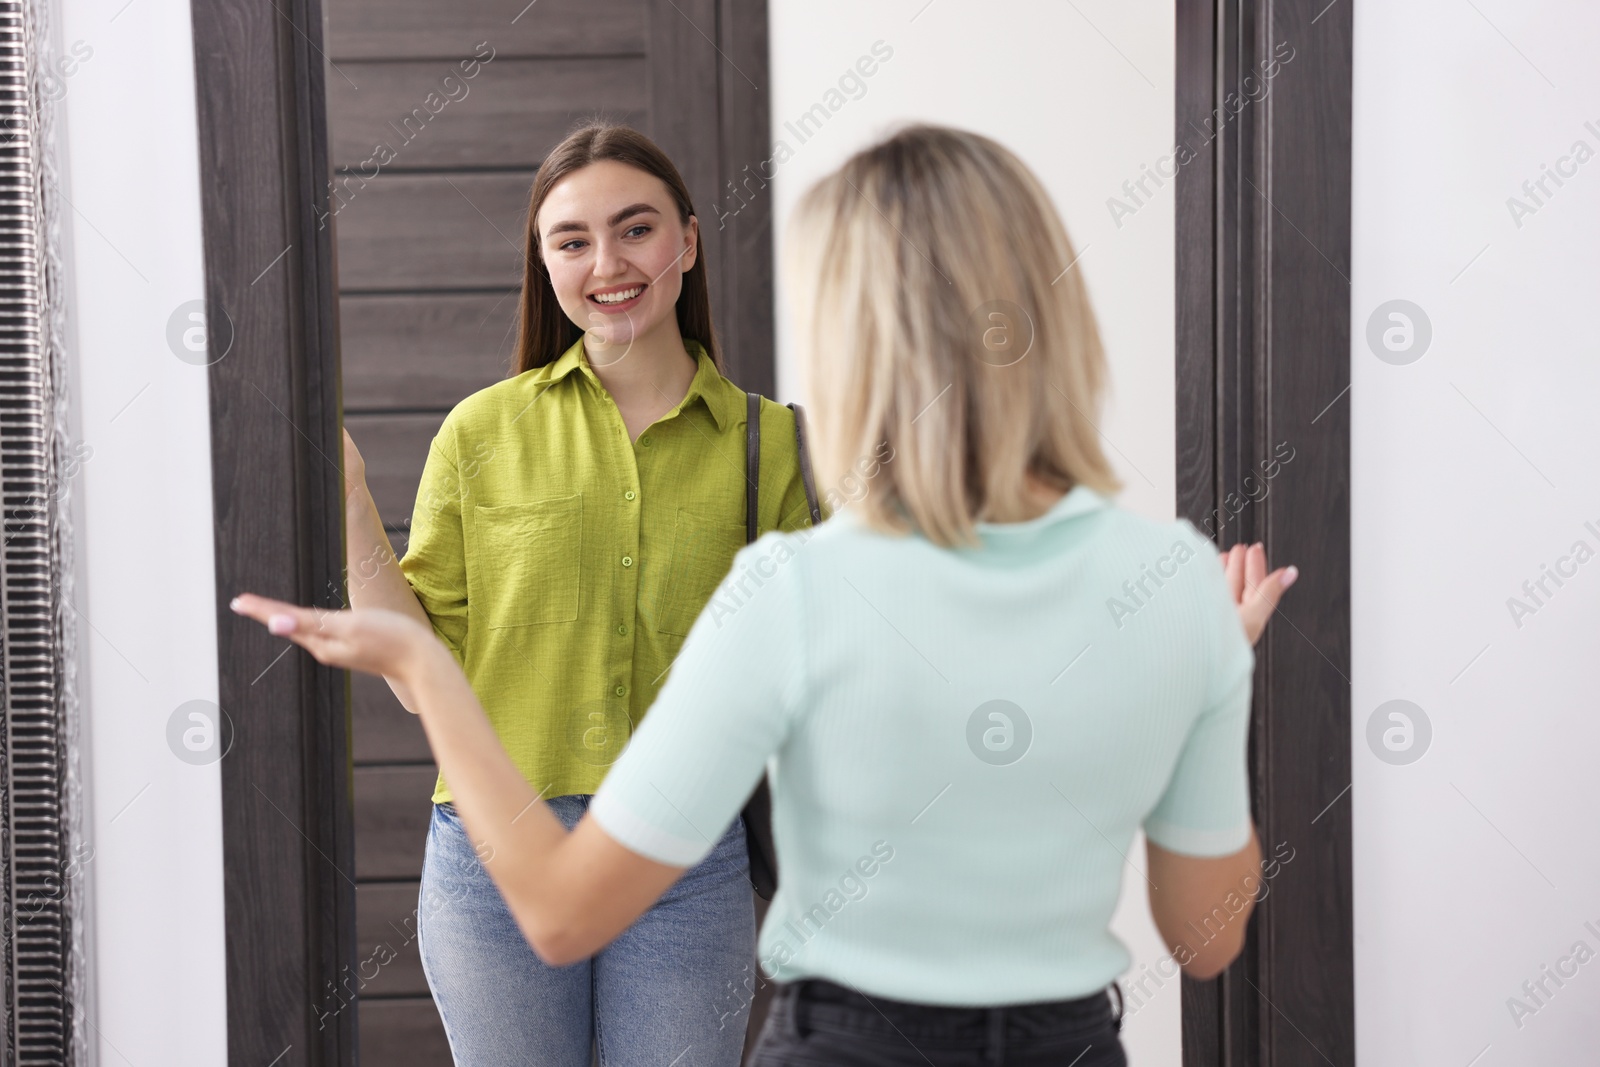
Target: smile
[[618, 296]]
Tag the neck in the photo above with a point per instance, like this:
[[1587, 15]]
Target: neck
[[1037, 497], [653, 371]]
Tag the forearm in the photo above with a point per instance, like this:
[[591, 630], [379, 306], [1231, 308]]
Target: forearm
[[571, 893], [514, 832], [372, 572]]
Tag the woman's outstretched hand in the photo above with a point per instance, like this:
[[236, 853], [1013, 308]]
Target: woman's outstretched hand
[[1255, 592], [374, 640]]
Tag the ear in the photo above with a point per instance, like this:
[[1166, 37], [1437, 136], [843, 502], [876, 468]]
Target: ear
[[691, 235]]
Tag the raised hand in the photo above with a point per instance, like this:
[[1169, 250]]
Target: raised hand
[[1255, 592]]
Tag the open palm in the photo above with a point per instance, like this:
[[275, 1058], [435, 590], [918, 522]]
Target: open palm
[[374, 640]]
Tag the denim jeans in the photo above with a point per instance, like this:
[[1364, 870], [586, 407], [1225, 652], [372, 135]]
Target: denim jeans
[[814, 1023], [671, 990]]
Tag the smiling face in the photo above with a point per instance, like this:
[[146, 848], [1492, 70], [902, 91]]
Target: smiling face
[[616, 252]]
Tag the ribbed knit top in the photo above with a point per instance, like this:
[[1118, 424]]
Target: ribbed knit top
[[962, 743]]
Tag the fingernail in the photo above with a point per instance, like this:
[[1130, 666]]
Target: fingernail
[[1289, 576], [234, 603], [281, 624]]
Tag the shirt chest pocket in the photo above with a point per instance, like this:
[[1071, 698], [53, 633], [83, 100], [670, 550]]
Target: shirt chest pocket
[[524, 566], [702, 552]]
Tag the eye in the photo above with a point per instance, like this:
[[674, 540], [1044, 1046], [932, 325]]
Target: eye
[[636, 231], [569, 246]]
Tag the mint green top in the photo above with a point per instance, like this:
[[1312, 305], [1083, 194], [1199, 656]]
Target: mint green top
[[563, 562], [962, 743]]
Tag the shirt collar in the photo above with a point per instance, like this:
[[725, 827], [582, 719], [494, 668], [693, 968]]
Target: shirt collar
[[725, 402], [569, 361], [708, 385]]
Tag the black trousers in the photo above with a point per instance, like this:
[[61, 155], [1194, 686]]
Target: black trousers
[[815, 1023]]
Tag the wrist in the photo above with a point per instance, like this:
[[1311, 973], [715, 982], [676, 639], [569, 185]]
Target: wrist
[[424, 658], [357, 498]]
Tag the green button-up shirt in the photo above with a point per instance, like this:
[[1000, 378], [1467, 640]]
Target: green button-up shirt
[[563, 563]]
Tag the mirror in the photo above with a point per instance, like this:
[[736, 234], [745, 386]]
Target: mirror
[[438, 116]]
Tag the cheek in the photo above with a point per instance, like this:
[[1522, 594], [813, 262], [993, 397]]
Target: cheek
[[667, 290], [567, 281], [664, 265]]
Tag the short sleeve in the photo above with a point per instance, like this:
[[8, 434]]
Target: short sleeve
[[726, 707], [1205, 809], [435, 562]]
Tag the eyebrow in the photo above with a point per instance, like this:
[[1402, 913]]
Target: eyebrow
[[574, 226]]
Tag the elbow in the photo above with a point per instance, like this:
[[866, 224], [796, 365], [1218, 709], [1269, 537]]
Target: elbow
[[554, 921], [1206, 967], [558, 941], [1217, 954], [556, 951], [401, 694], [562, 948]]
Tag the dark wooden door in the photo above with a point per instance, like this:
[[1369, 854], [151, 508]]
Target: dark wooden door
[[439, 112]]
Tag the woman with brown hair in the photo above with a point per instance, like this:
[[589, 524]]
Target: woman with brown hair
[[571, 522], [970, 689]]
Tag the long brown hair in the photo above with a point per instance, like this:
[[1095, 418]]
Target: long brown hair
[[543, 329]]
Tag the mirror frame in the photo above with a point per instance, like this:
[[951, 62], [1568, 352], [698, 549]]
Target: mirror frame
[[277, 486], [1263, 370]]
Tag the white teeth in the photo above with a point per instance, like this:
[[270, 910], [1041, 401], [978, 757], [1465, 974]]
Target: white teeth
[[617, 298]]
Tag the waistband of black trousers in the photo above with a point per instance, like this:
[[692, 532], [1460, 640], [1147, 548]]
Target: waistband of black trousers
[[1103, 1006]]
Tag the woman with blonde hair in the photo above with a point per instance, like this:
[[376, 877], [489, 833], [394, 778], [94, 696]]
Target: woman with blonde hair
[[969, 689]]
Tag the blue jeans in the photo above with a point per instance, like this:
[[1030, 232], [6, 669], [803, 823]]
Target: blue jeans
[[672, 991]]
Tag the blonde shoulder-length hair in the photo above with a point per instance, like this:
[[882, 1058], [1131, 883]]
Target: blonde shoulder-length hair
[[938, 323]]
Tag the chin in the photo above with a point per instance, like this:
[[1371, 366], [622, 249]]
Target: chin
[[611, 335], [623, 329]]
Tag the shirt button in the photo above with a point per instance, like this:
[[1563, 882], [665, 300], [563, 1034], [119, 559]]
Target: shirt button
[[623, 629], [629, 495], [645, 440], [622, 690], [627, 561]]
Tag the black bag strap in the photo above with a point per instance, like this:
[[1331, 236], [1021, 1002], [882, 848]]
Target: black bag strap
[[752, 463], [806, 477], [757, 811]]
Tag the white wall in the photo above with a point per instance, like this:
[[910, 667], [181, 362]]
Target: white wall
[[145, 593], [1083, 93], [1474, 467]]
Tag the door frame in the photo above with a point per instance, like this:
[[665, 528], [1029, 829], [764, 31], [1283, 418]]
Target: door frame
[[1263, 366]]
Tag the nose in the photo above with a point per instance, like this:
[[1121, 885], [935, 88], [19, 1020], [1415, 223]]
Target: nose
[[609, 262]]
